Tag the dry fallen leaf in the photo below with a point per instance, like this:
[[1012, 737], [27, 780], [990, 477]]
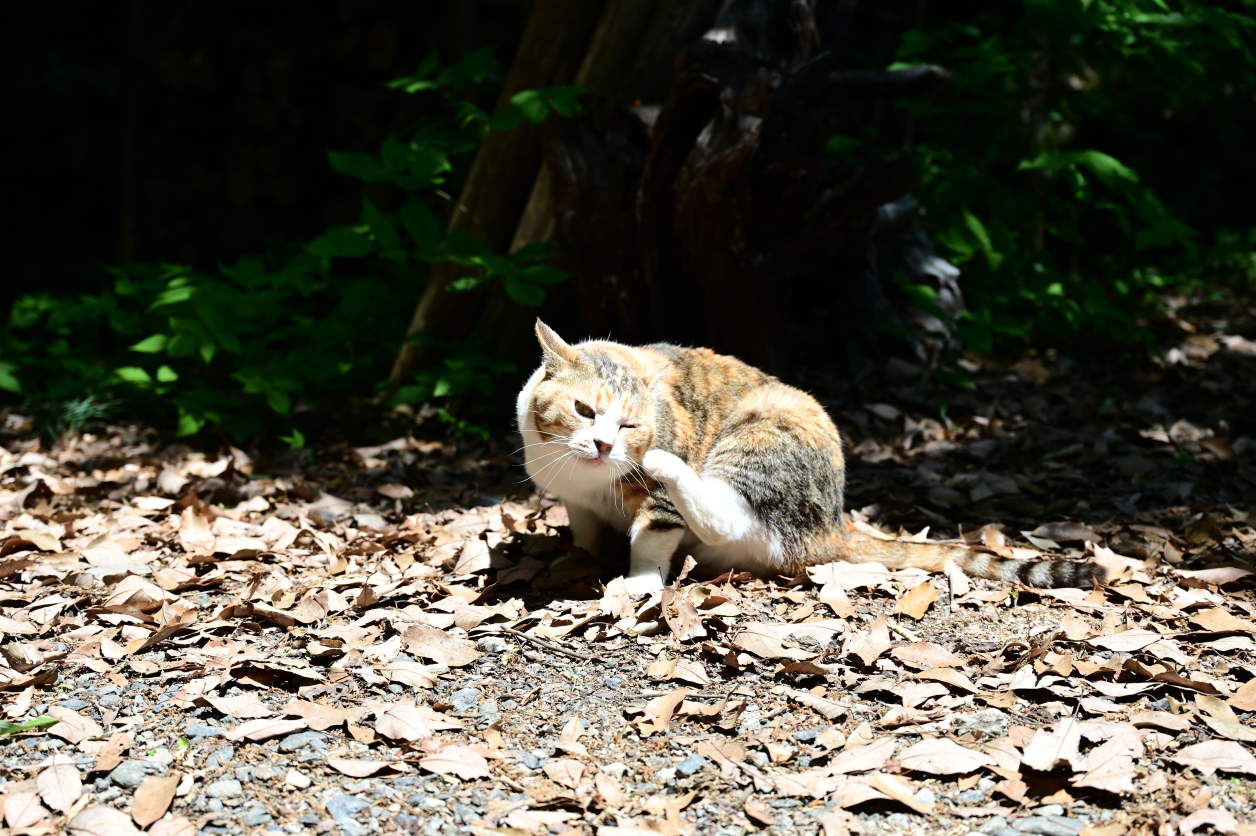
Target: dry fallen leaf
[[1219, 717], [462, 761], [917, 600], [74, 727], [100, 820], [1212, 755], [941, 756], [173, 826], [60, 786], [153, 797], [657, 715], [246, 707], [361, 769], [264, 729], [22, 809], [439, 646], [871, 643], [1048, 749]]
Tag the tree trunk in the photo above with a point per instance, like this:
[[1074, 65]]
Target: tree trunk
[[505, 168], [718, 219]]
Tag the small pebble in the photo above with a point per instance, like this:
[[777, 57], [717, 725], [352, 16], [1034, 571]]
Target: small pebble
[[343, 808], [691, 764], [225, 788], [257, 818], [465, 699], [492, 644], [131, 773], [297, 779], [806, 735], [1053, 826], [298, 741]]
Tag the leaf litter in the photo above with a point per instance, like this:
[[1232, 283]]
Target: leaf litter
[[400, 638]]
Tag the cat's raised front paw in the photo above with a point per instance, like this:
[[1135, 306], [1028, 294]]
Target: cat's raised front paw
[[644, 584], [663, 466]]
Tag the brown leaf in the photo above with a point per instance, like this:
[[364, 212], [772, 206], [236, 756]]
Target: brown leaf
[[1212, 755], [658, 712], [871, 643], [917, 601], [1161, 720], [22, 809], [1219, 819], [1219, 717], [1219, 621], [264, 729], [60, 786], [1244, 699], [173, 826], [153, 798], [759, 813], [1047, 749], [825, 707], [950, 676], [1110, 767], [538, 822], [767, 641], [410, 722], [941, 756], [863, 758], [74, 727], [195, 534], [569, 740], [462, 761], [322, 717], [100, 820], [850, 576], [439, 646], [900, 789], [607, 787], [926, 655], [242, 708], [565, 772]]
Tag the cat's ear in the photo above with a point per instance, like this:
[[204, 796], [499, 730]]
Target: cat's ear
[[557, 352]]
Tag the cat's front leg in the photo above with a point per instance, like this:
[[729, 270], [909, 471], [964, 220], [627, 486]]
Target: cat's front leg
[[713, 510], [653, 544], [587, 528]]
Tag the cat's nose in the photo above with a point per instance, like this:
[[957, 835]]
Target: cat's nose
[[602, 446]]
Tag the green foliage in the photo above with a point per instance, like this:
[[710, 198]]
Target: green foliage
[[38, 724], [244, 347], [1023, 171]]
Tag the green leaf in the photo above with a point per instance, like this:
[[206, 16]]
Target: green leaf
[[978, 229], [133, 374], [173, 296], [295, 440], [383, 230], [343, 242], [362, 166], [8, 380], [189, 424], [165, 374], [524, 293], [279, 401], [394, 155], [151, 345], [40, 722], [543, 274], [423, 226]]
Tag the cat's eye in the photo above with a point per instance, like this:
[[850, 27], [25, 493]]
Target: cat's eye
[[627, 426], [584, 409]]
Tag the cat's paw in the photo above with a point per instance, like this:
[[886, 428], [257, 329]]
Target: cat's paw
[[644, 584], [664, 466]]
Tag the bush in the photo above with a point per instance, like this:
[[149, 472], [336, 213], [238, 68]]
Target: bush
[[238, 349]]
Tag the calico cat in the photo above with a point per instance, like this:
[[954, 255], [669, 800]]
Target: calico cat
[[685, 449]]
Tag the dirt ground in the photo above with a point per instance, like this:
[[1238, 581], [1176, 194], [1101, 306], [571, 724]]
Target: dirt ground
[[400, 639]]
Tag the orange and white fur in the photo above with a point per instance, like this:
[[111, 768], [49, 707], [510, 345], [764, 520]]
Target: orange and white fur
[[690, 452]]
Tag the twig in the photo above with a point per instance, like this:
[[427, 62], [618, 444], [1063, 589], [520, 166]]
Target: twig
[[902, 631], [553, 648]]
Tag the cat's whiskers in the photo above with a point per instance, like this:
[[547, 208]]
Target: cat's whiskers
[[554, 457], [572, 455]]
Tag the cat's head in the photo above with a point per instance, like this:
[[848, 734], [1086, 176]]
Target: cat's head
[[595, 399]]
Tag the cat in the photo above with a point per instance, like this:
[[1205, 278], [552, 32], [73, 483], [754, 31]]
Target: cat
[[683, 449]]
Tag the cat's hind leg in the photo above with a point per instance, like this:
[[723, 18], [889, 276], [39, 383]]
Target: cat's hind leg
[[712, 509]]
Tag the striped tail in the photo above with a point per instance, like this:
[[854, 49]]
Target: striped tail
[[932, 557]]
